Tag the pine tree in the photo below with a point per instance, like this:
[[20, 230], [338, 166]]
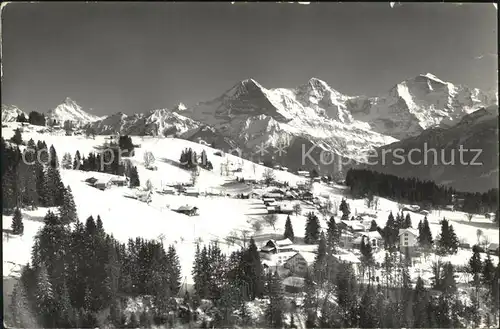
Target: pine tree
[[488, 272], [44, 298], [332, 235], [289, 230], [54, 187], [174, 270], [320, 261], [344, 208], [22, 315], [474, 268], [421, 300], [407, 222], [367, 256], [448, 242], [67, 211], [66, 161], [17, 138], [310, 301], [390, 233], [254, 271], [373, 226], [274, 312], [17, 223], [134, 178], [77, 161], [312, 229], [368, 313]]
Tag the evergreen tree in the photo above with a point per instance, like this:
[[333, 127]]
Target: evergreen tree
[[332, 235], [134, 178], [320, 261], [488, 272], [310, 301], [67, 211], [253, 271], [274, 312], [345, 209], [53, 188], [22, 315], [421, 300], [390, 233], [45, 298], [373, 226], [448, 242], [174, 270], [368, 313], [77, 161], [66, 162], [17, 138], [474, 268], [289, 230], [17, 223], [367, 256], [407, 222], [312, 229]]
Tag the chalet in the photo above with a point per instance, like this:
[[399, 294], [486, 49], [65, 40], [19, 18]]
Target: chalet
[[192, 192], [424, 212], [91, 180], [277, 246], [300, 263], [349, 258], [187, 210], [346, 240], [317, 179], [408, 237], [352, 226], [285, 208], [303, 173], [412, 208], [101, 185], [373, 237], [276, 196], [119, 181], [492, 249], [271, 210], [302, 185], [272, 266], [268, 201], [284, 168], [293, 284], [450, 207], [168, 191], [307, 196]]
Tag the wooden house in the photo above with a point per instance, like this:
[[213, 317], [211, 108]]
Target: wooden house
[[300, 263], [187, 210]]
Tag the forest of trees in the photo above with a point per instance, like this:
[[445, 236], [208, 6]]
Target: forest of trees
[[80, 277], [190, 160], [36, 118], [28, 182], [411, 190]]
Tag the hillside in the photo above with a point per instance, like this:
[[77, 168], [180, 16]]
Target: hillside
[[476, 171]]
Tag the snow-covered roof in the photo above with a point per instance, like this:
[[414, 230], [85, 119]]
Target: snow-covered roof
[[349, 257], [284, 242], [294, 281], [186, 207], [309, 257], [408, 230], [373, 235]]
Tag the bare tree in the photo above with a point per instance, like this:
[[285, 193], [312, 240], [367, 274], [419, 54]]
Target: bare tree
[[149, 159], [268, 175], [271, 220], [244, 235], [479, 234], [469, 216], [369, 201], [376, 202], [257, 226], [149, 186], [297, 208], [485, 242], [194, 175]]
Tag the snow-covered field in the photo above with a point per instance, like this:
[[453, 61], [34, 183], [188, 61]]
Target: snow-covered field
[[219, 216]]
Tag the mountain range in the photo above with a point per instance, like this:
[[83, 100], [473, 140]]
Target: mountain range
[[283, 124]]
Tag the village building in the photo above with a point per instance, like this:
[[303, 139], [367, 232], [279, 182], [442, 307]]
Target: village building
[[192, 192], [119, 181], [187, 210], [277, 246], [408, 237], [293, 284], [284, 208], [374, 238], [349, 258], [492, 249], [300, 263], [352, 226], [303, 173]]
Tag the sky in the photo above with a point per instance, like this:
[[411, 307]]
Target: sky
[[133, 57]]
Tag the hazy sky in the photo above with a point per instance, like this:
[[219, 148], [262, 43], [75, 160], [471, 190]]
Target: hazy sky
[[133, 57]]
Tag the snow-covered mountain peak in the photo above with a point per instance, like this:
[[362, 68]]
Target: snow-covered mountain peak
[[11, 112], [69, 110], [180, 107]]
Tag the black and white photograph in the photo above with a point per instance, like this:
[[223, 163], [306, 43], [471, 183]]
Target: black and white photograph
[[250, 165]]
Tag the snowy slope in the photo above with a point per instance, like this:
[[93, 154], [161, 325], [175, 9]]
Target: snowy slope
[[10, 113], [476, 131], [69, 110]]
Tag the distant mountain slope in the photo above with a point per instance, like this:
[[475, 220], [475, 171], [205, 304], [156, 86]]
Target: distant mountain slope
[[476, 171], [10, 113]]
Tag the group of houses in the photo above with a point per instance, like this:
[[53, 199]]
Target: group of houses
[[293, 261], [103, 184]]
